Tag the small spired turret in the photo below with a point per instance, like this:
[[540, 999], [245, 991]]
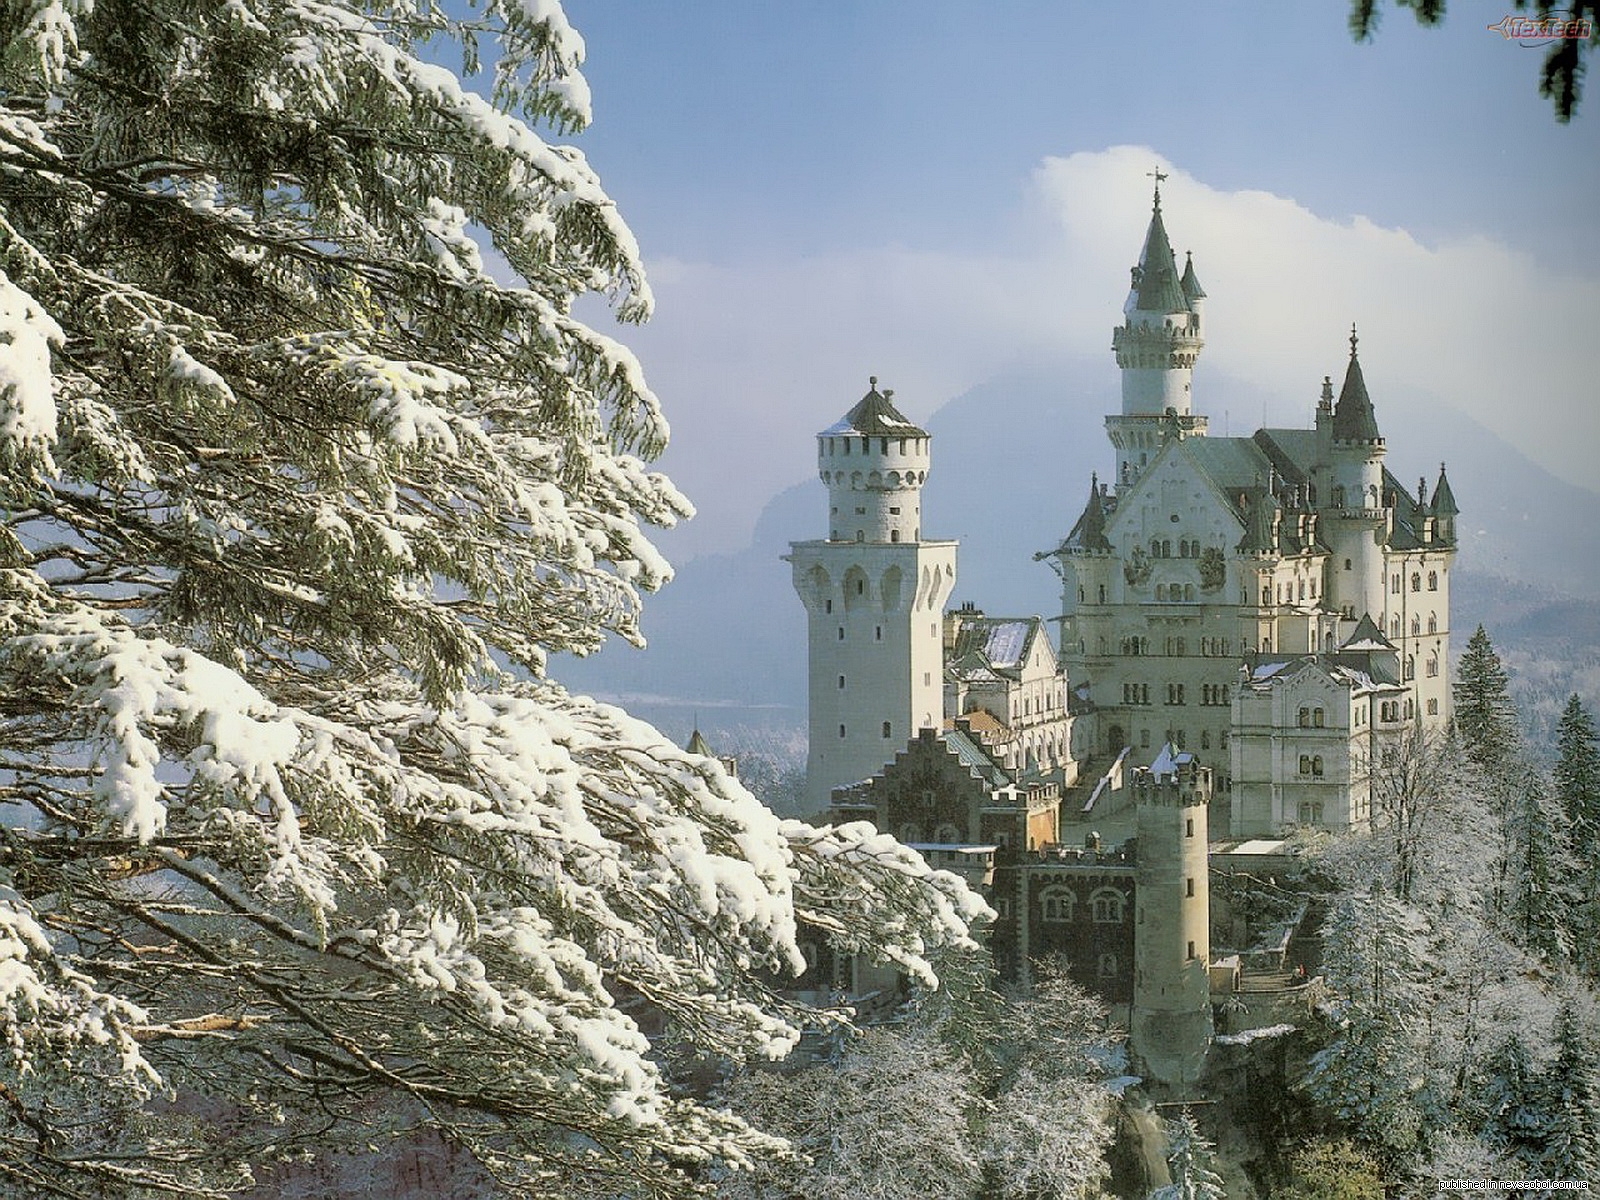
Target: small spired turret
[[1171, 1027], [1444, 510]]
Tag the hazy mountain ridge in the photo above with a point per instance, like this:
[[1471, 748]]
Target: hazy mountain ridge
[[1011, 469]]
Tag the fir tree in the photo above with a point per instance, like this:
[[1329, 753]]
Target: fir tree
[[297, 503], [1538, 869], [1572, 1142], [1190, 1159], [1485, 719], [1577, 788]]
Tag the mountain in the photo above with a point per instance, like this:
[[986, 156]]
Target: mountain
[[1011, 466]]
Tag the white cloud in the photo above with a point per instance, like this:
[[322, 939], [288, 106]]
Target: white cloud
[[751, 360]]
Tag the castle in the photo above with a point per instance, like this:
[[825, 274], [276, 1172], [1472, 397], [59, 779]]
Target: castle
[[1247, 623]]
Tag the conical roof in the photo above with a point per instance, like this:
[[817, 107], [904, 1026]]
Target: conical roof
[[1444, 500], [875, 416], [1353, 418], [1158, 288], [1367, 636], [1090, 531], [1259, 536], [698, 745], [1190, 282]]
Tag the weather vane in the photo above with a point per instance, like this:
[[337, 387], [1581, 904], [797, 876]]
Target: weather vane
[[1159, 176]]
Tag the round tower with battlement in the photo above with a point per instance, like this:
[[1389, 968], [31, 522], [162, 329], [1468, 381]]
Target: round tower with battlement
[[1170, 1029], [1359, 513], [874, 593]]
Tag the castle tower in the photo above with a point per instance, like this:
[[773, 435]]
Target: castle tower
[[1156, 346], [1171, 1025], [1359, 527], [874, 593]]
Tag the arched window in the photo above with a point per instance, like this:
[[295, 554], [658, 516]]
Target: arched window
[[1416, 625], [910, 832], [1166, 548], [1305, 764], [1102, 593], [1416, 581], [1108, 905], [886, 729], [1433, 622], [1057, 904], [1433, 581], [1317, 716], [1188, 591], [947, 834], [1316, 765], [1433, 665]]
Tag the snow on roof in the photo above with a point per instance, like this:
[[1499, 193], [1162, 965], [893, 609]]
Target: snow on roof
[[1247, 1036], [1258, 846], [1007, 642]]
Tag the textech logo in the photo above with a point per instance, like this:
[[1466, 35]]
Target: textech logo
[[1543, 30]]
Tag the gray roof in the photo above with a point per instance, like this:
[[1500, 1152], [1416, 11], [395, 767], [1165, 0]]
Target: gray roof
[[874, 416], [1353, 418], [1158, 286]]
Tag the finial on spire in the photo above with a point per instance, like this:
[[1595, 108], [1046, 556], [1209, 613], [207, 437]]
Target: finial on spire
[[1327, 391], [1352, 339], [1159, 176], [872, 381]]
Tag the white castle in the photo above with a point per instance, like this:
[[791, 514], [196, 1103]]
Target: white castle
[[1247, 624], [1276, 606]]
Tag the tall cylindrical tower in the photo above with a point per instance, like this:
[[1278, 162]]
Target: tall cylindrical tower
[[1157, 345], [874, 593], [1361, 516], [1171, 1025]]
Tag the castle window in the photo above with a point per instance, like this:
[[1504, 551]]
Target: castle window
[[1316, 765], [1416, 626], [1433, 708], [841, 731], [886, 729], [894, 535], [1144, 739], [827, 605], [1394, 585], [1188, 828], [910, 832], [1188, 591], [1394, 626], [1108, 965], [841, 683], [1416, 582], [1305, 764], [1347, 564], [861, 587], [1188, 887], [1002, 907], [947, 834], [1311, 812], [1166, 548], [1108, 905], [1057, 904], [1266, 594], [1161, 591], [861, 535], [1305, 717], [1102, 593], [1191, 949], [1411, 666], [1432, 666], [1205, 741], [1433, 622], [1433, 581], [1317, 717], [841, 633], [1081, 597], [1410, 707], [877, 633]]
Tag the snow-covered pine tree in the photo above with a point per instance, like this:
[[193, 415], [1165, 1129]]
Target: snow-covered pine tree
[[1485, 718], [1539, 873], [1577, 788], [296, 501], [1190, 1158], [1374, 1074], [1572, 1143]]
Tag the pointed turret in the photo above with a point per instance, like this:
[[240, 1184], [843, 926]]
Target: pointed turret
[[698, 744], [1353, 418], [1190, 282], [1156, 286], [1090, 531], [1444, 509], [1261, 528]]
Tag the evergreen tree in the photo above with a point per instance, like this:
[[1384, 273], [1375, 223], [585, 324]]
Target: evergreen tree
[[1577, 788], [1572, 1143], [1190, 1159], [1538, 871], [1577, 778], [1332, 1170], [297, 502], [1485, 719], [1517, 1122], [1374, 1073]]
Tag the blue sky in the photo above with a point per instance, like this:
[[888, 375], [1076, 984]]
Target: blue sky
[[943, 191]]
